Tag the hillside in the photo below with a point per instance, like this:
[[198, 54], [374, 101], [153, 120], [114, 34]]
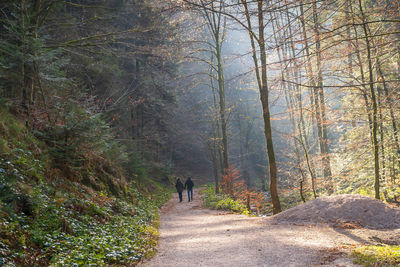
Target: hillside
[[93, 213]]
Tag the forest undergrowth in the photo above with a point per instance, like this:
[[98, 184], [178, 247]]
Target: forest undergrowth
[[54, 217], [381, 255]]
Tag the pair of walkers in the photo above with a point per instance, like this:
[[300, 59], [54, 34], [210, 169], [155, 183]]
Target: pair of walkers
[[188, 185]]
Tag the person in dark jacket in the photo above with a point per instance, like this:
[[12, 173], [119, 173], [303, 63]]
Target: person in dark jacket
[[179, 188], [189, 185]]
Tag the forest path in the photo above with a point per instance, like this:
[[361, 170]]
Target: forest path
[[191, 235]]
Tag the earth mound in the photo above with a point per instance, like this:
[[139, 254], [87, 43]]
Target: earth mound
[[352, 211]]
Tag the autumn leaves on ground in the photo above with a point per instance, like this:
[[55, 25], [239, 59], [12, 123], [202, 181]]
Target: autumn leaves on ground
[[193, 235]]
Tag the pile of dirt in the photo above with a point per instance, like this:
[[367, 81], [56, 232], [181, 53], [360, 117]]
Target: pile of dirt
[[343, 210]]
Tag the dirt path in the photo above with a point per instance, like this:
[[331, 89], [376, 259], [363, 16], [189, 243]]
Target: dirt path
[[191, 235]]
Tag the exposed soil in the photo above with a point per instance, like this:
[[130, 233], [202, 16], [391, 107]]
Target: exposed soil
[[351, 211], [191, 235]]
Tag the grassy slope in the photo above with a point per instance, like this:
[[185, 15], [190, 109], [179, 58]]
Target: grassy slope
[[51, 217]]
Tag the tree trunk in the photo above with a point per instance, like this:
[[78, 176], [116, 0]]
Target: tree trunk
[[319, 96], [283, 54], [25, 97], [215, 166], [222, 104], [264, 97], [389, 100], [310, 73], [381, 135], [374, 106], [215, 147], [263, 89], [213, 17]]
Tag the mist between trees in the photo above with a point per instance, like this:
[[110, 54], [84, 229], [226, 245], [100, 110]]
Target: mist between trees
[[314, 83], [301, 96]]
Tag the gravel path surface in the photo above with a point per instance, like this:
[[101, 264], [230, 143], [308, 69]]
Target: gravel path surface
[[191, 235]]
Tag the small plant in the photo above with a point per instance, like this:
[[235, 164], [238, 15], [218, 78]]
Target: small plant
[[82, 227], [233, 205], [381, 255], [229, 180], [237, 189], [222, 201]]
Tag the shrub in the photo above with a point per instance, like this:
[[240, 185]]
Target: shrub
[[237, 190], [222, 201]]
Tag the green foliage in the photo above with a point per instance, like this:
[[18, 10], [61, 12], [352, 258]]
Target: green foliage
[[14, 135], [391, 193], [233, 205], [85, 228], [382, 255], [222, 202], [47, 218], [16, 174], [78, 131]]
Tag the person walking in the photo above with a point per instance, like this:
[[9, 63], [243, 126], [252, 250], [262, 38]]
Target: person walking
[[179, 188], [189, 185]]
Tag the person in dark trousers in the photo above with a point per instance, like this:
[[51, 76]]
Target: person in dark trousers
[[189, 185], [179, 188]]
